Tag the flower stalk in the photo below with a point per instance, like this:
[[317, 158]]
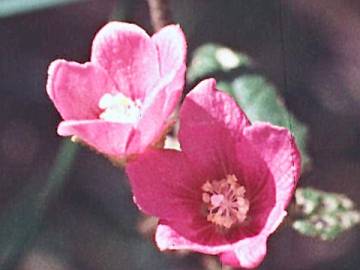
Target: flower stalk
[[160, 13]]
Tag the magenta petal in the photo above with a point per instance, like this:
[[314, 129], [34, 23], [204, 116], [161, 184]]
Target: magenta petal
[[276, 146], [130, 57], [214, 121], [106, 137], [168, 238], [274, 220], [158, 107], [171, 44], [163, 99], [250, 252], [247, 254], [164, 184], [77, 88]]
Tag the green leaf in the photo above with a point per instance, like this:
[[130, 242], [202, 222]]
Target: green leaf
[[14, 7], [322, 214], [211, 58], [20, 222], [255, 95]]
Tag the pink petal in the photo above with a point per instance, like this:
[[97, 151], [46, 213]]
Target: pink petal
[[106, 137], [171, 45], [171, 235], [77, 88], [250, 252], [159, 105], [168, 238], [254, 174], [130, 57], [213, 121], [164, 184], [274, 220], [276, 146], [247, 253]]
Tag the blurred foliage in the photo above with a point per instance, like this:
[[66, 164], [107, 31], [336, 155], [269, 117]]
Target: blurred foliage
[[256, 96], [14, 7], [22, 220], [211, 58], [322, 214]]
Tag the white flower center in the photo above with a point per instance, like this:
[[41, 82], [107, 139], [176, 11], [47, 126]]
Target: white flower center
[[119, 108], [226, 202]]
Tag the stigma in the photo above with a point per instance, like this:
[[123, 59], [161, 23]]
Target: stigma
[[225, 201], [119, 108]]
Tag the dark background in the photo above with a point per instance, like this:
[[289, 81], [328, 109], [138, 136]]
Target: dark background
[[309, 49]]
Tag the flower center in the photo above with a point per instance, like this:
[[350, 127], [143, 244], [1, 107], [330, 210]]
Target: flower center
[[119, 108], [226, 202]]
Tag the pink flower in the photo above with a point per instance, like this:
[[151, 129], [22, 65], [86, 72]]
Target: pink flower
[[228, 188], [121, 101]]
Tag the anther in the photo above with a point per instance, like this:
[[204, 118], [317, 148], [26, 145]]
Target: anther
[[226, 202]]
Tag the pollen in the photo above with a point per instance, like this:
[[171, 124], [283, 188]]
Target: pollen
[[225, 201], [119, 108]]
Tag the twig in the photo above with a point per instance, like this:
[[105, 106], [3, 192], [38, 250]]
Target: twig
[[160, 13]]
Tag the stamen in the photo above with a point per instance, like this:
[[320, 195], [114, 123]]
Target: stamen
[[119, 108], [226, 202]]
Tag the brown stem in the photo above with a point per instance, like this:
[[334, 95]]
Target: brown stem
[[160, 13]]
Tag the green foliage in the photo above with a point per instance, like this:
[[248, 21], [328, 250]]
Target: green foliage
[[13, 7], [256, 96], [211, 58], [322, 214]]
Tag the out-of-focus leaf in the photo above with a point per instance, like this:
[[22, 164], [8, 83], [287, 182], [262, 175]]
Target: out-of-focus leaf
[[256, 96], [211, 58], [322, 214], [21, 221], [13, 7]]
